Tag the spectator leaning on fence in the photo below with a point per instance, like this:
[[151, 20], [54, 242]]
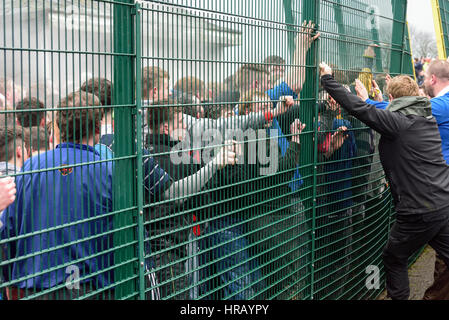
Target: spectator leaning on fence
[[58, 197], [190, 178], [411, 155]]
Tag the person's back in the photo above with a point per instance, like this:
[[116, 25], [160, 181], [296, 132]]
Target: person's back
[[50, 204], [417, 161], [54, 198]]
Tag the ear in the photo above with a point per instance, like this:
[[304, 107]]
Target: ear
[[21, 154], [154, 92], [42, 124], [390, 97], [433, 79]]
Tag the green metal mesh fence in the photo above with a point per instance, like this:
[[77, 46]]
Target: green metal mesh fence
[[136, 201], [440, 10]]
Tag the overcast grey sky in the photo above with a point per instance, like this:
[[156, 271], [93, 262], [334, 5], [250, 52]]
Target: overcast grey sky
[[419, 14]]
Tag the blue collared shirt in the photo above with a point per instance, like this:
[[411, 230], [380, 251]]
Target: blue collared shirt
[[50, 199]]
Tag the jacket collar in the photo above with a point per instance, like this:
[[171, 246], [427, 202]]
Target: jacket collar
[[77, 146]]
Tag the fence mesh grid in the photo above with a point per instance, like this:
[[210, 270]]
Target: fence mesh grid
[[116, 116]]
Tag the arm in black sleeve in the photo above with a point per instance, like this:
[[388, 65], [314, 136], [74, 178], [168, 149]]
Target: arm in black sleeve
[[385, 122]]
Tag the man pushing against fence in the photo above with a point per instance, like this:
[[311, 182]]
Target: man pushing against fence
[[411, 155]]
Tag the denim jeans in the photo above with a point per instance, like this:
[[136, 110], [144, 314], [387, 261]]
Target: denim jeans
[[237, 271]]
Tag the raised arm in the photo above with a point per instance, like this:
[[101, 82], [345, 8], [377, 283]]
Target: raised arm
[[385, 122], [296, 74]]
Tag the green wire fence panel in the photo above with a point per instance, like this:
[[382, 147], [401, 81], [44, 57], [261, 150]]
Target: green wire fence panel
[[186, 148], [440, 9], [71, 232]]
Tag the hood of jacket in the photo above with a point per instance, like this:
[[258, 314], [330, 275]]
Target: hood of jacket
[[418, 106]]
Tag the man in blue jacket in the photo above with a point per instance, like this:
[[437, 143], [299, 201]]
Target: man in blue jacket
[[59, 233], [44, 225]]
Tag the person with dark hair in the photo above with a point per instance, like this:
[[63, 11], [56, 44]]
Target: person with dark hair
[[102, 88], [14, 149], [411, 155], [30, 118], [39, 140]]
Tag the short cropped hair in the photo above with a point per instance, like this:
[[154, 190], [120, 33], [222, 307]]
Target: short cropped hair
[[439, 68], [152, 77], [77, 124], [100, 87], [11, 138], [163, 112], [30, 118], [403, 86], [249, 73]]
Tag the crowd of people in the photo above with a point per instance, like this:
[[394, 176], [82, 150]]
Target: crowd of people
[[221, 178]]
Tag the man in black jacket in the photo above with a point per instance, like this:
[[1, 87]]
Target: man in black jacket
[[411, 155]]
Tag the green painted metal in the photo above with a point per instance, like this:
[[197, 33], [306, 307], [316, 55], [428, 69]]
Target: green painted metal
[[441, 20], [125, 186], [243, 234]]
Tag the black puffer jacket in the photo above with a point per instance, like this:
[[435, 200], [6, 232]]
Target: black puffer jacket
[[410, 150]]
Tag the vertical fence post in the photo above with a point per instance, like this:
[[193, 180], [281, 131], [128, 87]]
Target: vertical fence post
[[124, 137], [139, 161], [439, 32], [398, 35], [310, 11]]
